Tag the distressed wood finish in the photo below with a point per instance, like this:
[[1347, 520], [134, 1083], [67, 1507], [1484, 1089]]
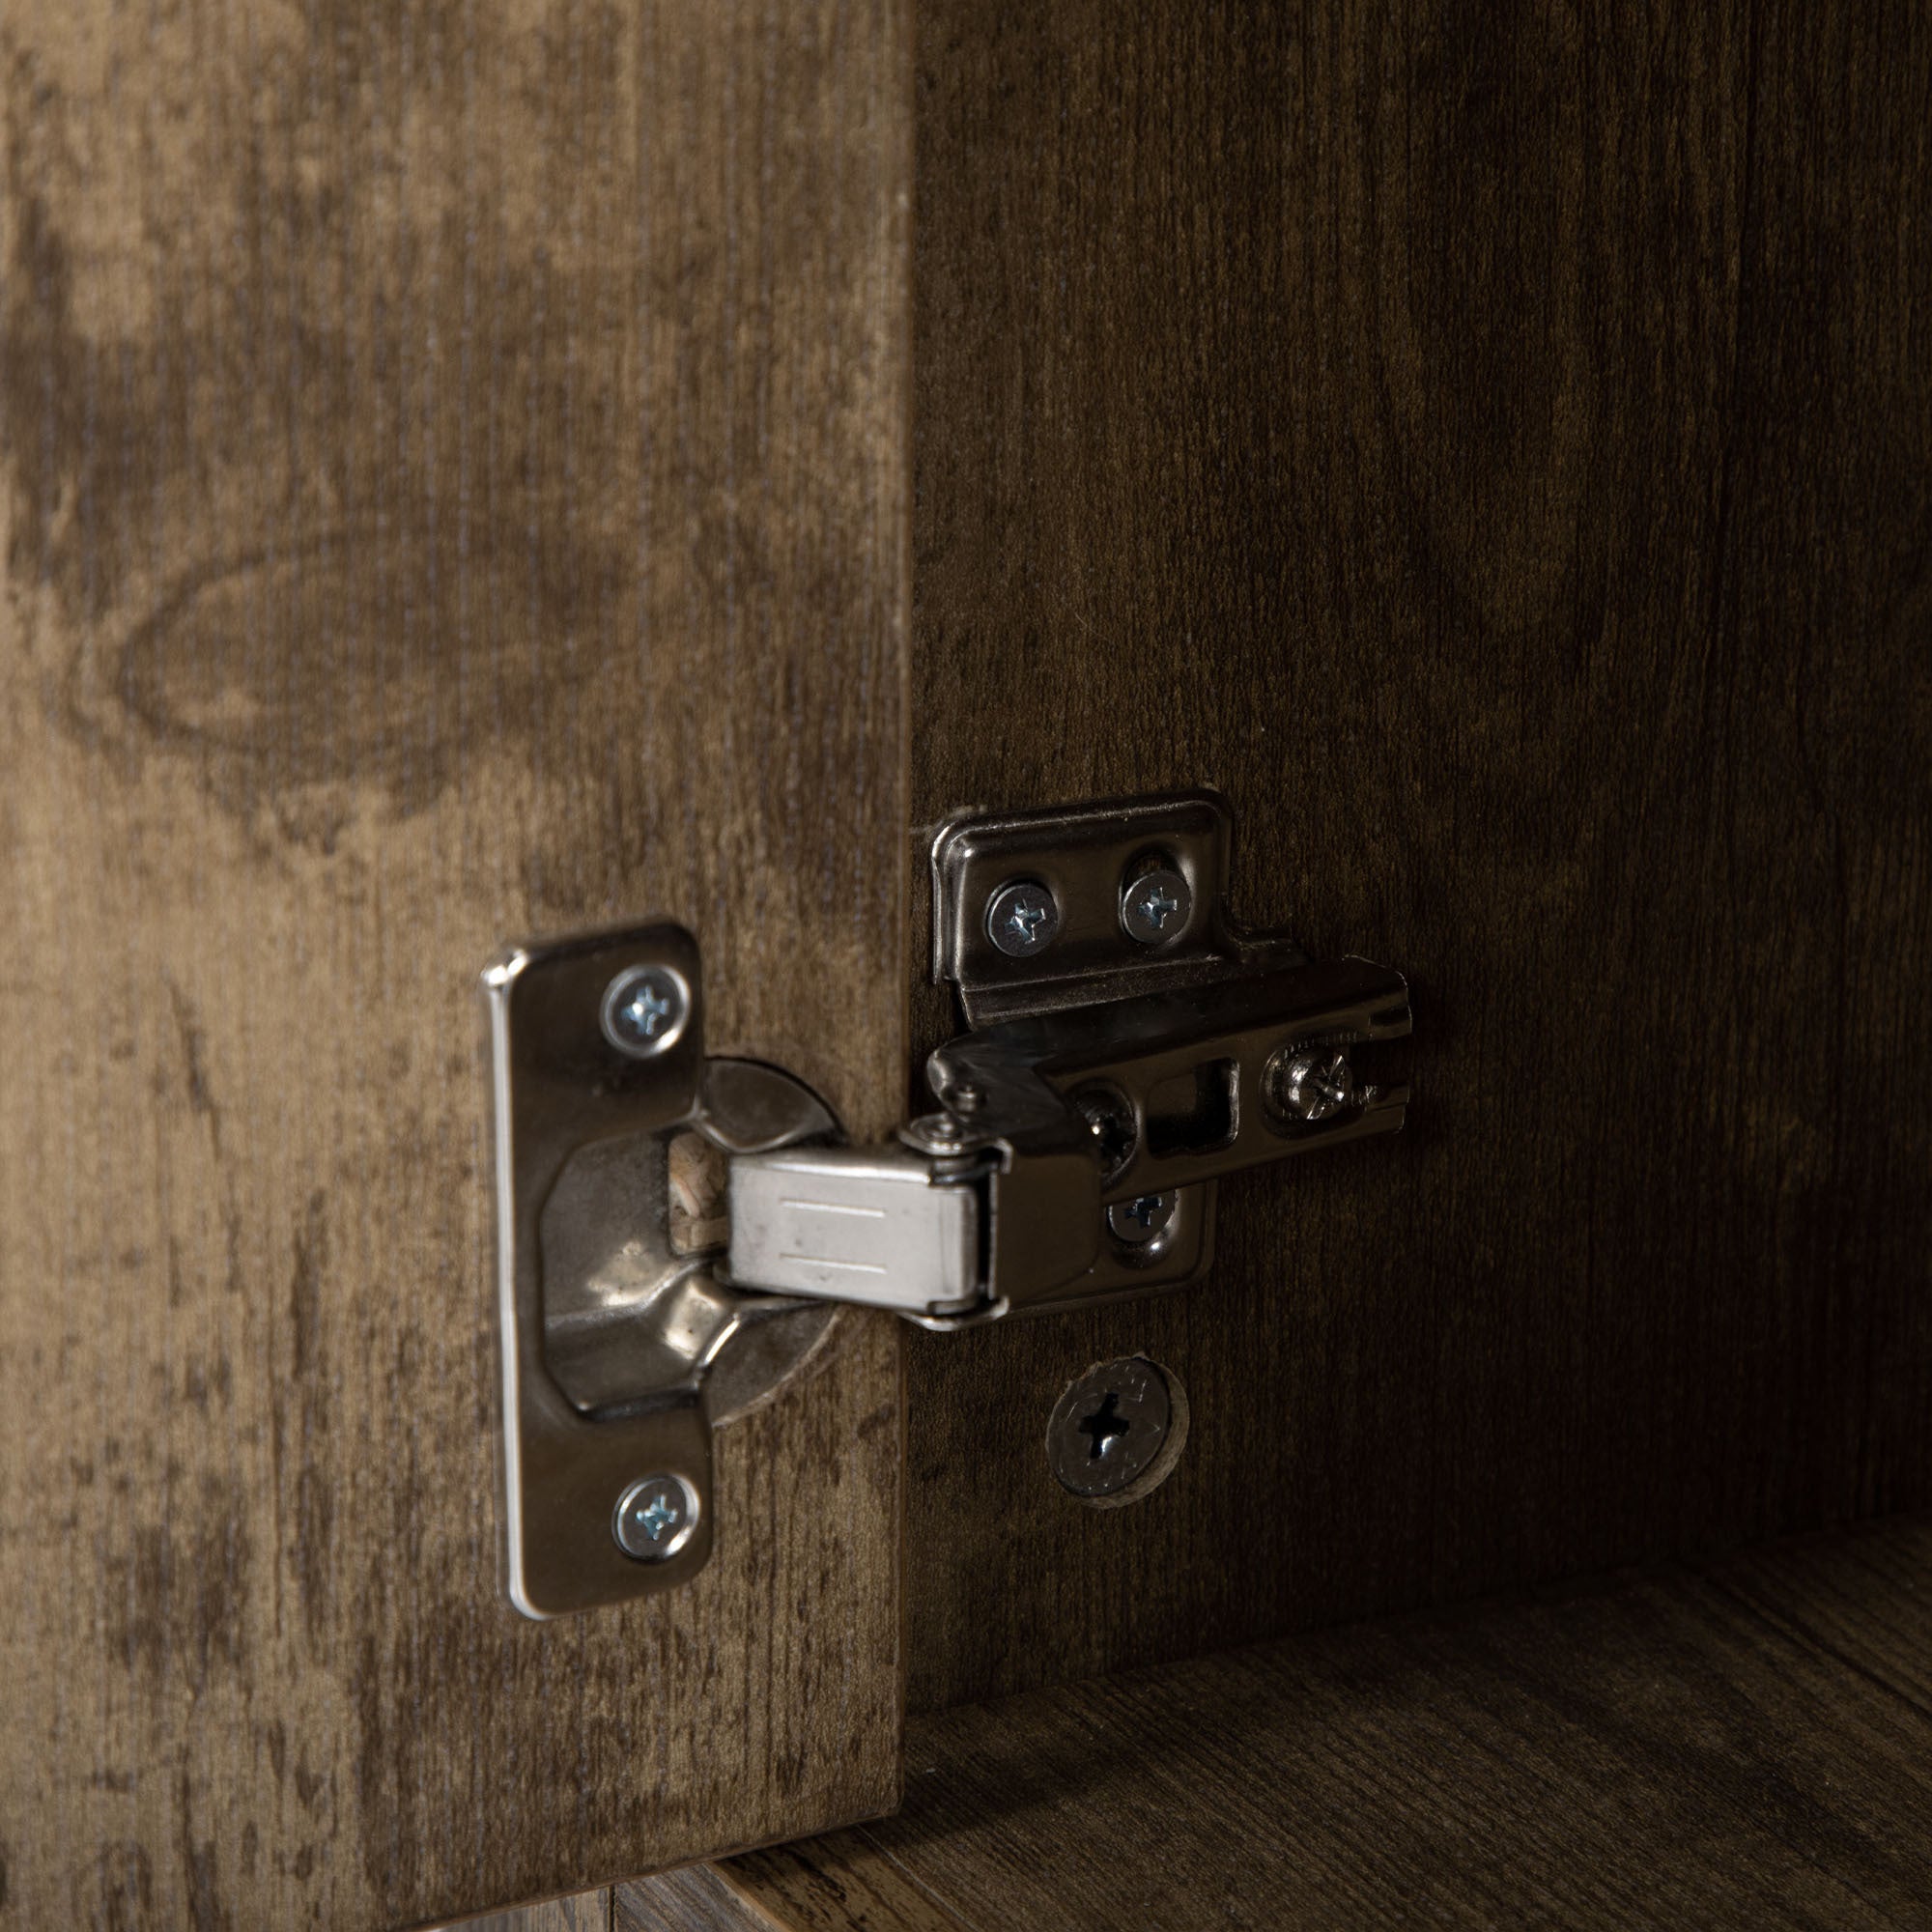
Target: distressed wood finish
[[1749, 1749], [1494, 446], [588, 1912], [454, 465], [695, 1898], [700, 1898]]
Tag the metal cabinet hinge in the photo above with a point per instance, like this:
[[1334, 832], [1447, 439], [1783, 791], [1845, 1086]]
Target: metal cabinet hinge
[[672, 1230]]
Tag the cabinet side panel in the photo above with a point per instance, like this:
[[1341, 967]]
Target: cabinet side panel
[[1492, 445]]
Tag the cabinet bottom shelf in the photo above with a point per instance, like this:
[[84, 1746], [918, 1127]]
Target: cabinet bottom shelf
[[1746, 1743]]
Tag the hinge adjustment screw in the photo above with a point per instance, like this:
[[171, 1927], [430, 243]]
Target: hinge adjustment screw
[[1310, 1083]]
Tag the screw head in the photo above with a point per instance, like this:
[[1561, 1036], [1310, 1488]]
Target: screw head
[[1156, 905], [1116, 1132], [654, 1517], [1142, 1221], [1310, 1083], [1022, 919], [934, 1133], [645, 1008], [1107, 1431]]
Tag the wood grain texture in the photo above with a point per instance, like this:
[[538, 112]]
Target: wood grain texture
[[454, 464], [588, 1912], [699, 1898], [1494, 446], [1749, 1747], [842, 1883]]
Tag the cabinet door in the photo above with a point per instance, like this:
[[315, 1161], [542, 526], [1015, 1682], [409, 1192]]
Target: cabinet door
[[454, 476]]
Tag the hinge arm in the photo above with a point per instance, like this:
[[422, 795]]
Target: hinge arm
[[997, 1204]]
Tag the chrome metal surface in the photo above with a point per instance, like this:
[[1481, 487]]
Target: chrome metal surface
[[1133, 1060], [1141, 1221], [1155, 906], [746, 1106], [610, 1334], [883, 1225], [1311, 1085], [934, 1133], [1022, 919], [674, 1232], [644, 1010], [1026, 1203], [1107, 1431], [1188, 1067], [629, 1320], [1084, 856], [654, 1517], [1116, 1128]]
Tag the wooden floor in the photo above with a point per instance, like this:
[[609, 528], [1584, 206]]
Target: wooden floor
[[1748, 1746]]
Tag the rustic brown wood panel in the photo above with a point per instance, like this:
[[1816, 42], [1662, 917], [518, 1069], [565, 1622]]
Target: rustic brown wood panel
[[1493, 445], [588, 1912], [454, 485], [699, 1898], [1749, 1747], [841, 1882], [694, 1899]]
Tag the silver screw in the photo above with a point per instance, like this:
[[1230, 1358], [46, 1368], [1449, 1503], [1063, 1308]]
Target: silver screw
[[654, 1517], [1108, 1429], [1141, 1221], [1022, 919], [644, 1010], [1156, 905], [1110, 1115], [934, 1133], [1312, 1082]]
